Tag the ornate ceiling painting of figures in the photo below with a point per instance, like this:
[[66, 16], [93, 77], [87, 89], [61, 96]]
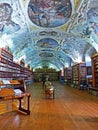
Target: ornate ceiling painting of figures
[[49, 13], [7, 25], [47, 43]]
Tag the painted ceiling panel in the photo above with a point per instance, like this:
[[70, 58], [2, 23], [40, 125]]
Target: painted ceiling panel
[[50, 13], [52, 33]]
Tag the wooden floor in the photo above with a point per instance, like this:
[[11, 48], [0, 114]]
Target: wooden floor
[[71, 109]]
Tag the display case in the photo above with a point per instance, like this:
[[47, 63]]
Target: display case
[[79, 73]]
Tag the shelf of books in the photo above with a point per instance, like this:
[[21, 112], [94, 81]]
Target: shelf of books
[[78, 74], [68, 75], [95, 70], [89, 76], [12, 70]]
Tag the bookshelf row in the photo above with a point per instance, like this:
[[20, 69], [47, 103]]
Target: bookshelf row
[[78, 74], [12, 70], [95, 70]]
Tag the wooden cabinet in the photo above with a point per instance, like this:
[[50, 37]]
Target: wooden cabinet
[[79, 74], [95, 70]]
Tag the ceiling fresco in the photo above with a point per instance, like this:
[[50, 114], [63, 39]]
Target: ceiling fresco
[[52, 33], [7, 25], [92, 16], [50, 13], [47, 43]]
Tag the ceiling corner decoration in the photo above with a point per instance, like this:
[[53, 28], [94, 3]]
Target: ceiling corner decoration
[[49, 13]]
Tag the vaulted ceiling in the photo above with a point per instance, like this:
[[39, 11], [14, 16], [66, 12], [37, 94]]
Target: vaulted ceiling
[[52, 33]]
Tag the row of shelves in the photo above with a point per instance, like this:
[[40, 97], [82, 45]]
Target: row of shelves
[[6, 54], [80, 72], [77, 74], [12, 70], [95, 70]]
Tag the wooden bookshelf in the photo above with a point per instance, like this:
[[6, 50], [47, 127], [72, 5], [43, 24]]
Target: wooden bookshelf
[[12, 70], [89, 76], [94, 60], [68, 75], [78, 74]]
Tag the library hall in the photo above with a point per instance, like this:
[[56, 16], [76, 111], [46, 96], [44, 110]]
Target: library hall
[[48, 64]]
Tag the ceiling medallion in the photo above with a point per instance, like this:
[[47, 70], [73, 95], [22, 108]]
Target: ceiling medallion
[[50, 13]]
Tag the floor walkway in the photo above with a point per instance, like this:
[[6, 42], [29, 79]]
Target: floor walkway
[[71, 109]]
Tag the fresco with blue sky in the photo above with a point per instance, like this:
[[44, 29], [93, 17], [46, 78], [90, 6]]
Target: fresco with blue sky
[[47, 43], [49, 13]]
